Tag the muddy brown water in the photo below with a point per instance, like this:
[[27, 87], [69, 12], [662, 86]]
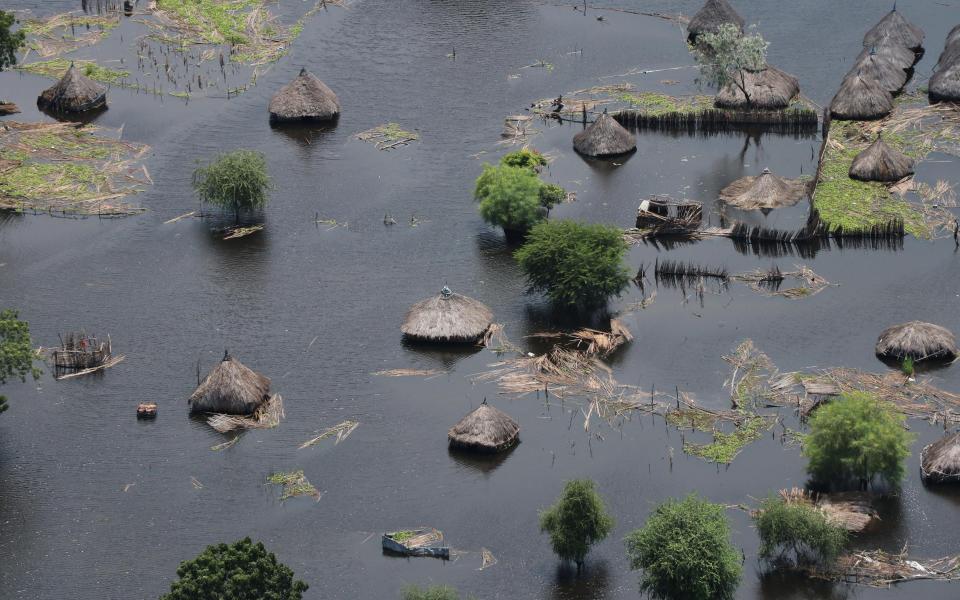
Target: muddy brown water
[[94, 504]]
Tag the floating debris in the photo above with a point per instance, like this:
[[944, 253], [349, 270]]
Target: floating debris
[[877, 568], [267, 416], [410, 372], [147, 410], [66, 32], [239, 232], [294, 484], [340, 431], [422, 541], [388, 136]]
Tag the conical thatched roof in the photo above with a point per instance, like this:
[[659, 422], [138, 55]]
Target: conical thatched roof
[[861, 99], [710, 17], [944, 85], [897, 28], [306, 98], [604, 137], [73, 93], [763, 191], [916, 340], [889, 75], [888, 50], [769, 89], [447, 317], [485, 429], [231, 388], [940, 461], [880, 162]]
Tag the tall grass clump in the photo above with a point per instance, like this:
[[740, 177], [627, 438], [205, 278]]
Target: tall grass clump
[[795, 533], [235, 181]]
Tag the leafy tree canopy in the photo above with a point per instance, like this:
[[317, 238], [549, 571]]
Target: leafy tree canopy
[[16, 350], [725, 55], [234, 181], [797, 532], [509, 197], [577, 521], [10, 41], [527, 158]]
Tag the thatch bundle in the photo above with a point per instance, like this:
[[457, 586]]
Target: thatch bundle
[[891, 76], [888, 50], [485, 429], [861, 99], [940, 461], [709, 18], [763, 191], [769, 89], [880, 162], [895, 27], [944, 85], [306, 98], [916, 340], [604, 137], [73, 93], [232, 389], [447, 317]]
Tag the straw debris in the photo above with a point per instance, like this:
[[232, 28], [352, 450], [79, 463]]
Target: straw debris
[[294, 484], [340, 432]]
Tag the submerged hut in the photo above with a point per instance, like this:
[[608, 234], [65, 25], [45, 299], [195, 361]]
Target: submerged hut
[[709, 18], [231, 388], [891, 76], [918, 341], [447, 317], [75, 93], [890, 51], [768, 89], [944, 85], [880, 162], [484, 429], [940, 461], [604, 137], [861, 99], [895, 27], [763, 191], [306, 98]]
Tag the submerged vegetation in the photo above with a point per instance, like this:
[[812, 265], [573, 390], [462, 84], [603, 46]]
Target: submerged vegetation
[[797, 533], [236, 181], [726, 446], [55, 68], [577, 521], [509, 197], [294, 484]]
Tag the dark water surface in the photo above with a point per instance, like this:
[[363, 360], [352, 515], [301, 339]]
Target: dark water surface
[[318, 311]]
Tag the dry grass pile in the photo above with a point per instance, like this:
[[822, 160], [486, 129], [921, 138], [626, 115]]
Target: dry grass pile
[[268, 415], [877, 568], [66, 32], [338, 433], [388, 136], [294, 483]]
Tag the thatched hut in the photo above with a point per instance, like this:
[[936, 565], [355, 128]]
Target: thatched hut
[[916, 340], [769, 89], [74, 93], [880, 162], [861, 99], [891, 76], [604, 137], [230, 388], [709, 18], [944, 85], [896, 28], [888, 50], [306, 98], [940, 461], [447, 317], [763, 191], [484, 429]]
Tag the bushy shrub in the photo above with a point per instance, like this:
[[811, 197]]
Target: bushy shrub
[[577, 521], [797, 532], [685, 552], [551, 194], [509, 197], [575, 264], [856, 438], [527, 158], [235, 181]]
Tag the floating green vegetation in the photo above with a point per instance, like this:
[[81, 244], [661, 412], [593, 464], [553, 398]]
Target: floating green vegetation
[[692, 418], [66, 32], [294, 484], [656, 104], [726, 446], [55, 68], [402, 536], [388, 136], [214, 21]]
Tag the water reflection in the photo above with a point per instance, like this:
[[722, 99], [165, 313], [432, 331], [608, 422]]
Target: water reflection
[[484, 464], [783, 585], [592, 581], [443, 356], [304, 134]]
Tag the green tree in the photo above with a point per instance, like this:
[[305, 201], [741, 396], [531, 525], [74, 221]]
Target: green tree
[[10, 41], [528, 158], [577, 521], [551, 194], [575, 264], [235, 181], [239, 571], [856, 438], [509, 197], [433, 592], [797, 532], [724, 57], [16, 351], [685, 552]]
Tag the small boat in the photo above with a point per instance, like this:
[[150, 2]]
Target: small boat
[[423, 541]]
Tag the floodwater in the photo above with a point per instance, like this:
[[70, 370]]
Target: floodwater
[[94, 504]]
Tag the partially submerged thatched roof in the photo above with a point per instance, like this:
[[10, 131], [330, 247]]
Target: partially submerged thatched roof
[[897, 28], [447, 317], [889, 50], [485, 429], [604, 137], [231, 388], [769, 89], [940, 461], [306, 98], [709, 18], [891, 76], [916, 340], [861, 99], [75, 92], [944, 85], [880, 162], [763, 191]]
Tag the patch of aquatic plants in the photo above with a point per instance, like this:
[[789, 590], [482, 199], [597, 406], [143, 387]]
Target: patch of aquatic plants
[[55, 68]]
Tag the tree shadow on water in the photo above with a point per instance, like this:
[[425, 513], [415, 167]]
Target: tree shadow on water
[[786, 585], [590, 583]]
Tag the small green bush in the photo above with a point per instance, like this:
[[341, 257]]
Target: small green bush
[[16, 349], [509, 197], [577, 521], [685, 552], [797, 532], [575, 264], [235, 181], [433, 592], [856, 438], [907, 366], [551, 194], [527, 158]]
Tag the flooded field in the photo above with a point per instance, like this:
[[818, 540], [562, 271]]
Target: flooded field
[[96, 504]]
